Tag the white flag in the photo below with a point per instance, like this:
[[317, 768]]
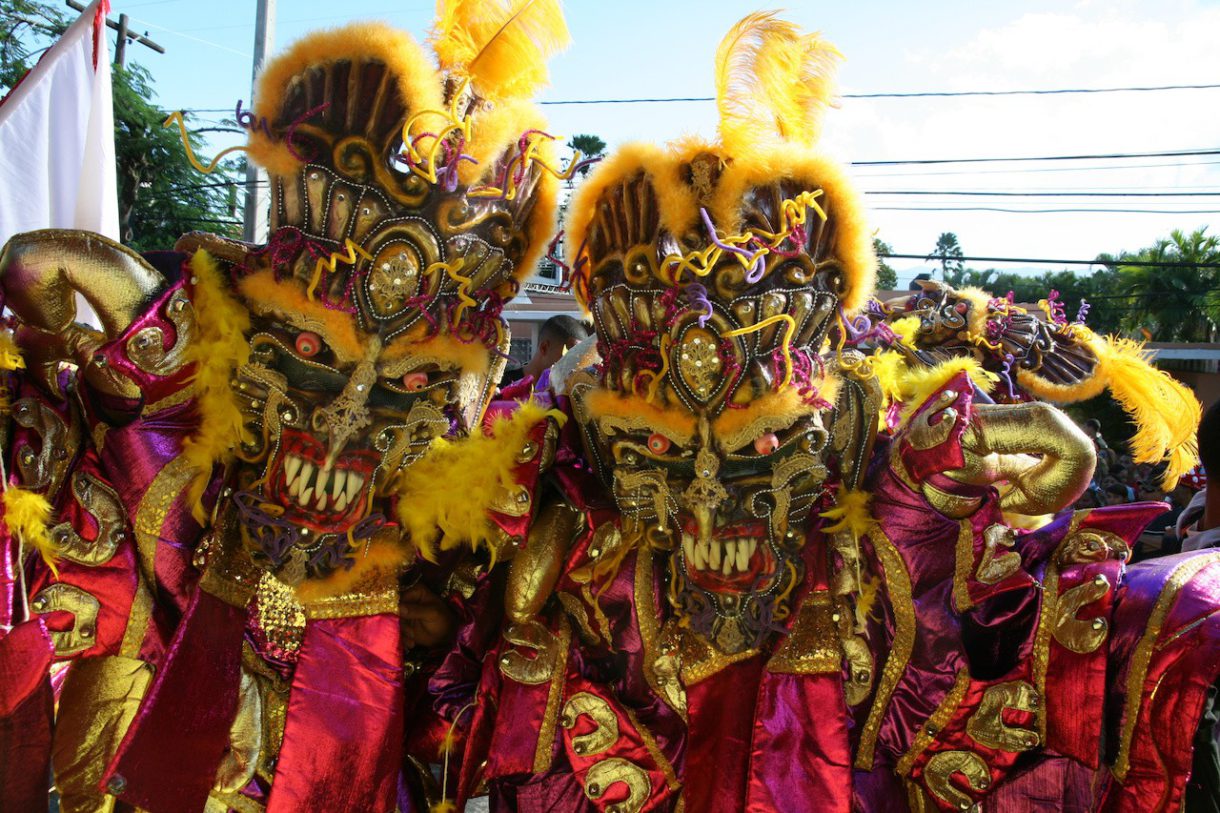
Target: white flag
[[57, 137]]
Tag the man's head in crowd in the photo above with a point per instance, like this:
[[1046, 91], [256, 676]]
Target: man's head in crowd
[[556, 336], [1209, 441]]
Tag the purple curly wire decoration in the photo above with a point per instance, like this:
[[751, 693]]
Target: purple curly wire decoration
[[335, 550], [696, 295], [1006, 374], [755, 272], [1083, 313], [858, 328], [275, 536], [1058, 313]]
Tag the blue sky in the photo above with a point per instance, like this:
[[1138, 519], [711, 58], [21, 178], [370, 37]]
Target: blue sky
[[632, 48]]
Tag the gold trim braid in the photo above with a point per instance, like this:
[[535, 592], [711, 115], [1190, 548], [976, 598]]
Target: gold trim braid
[[940, 717], [1142, 658], [898, 585]]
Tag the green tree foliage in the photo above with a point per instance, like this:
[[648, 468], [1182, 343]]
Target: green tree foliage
[[589, 146], [160, 195], [1177, 301], [949, 253], [887, 277]]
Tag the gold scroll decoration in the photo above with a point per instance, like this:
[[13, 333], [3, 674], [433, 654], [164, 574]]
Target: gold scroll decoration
[[605, 732], [104, 504], [611, 771], [66, 598], [1081, 635], [987, 726], [944, 765], [535, 670], [999, 561]]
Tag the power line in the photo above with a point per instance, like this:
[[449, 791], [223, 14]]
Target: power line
[[1049, 211], [1096, 157], [912, 95], [1024, 171], [1044, 261], [1048, 194]]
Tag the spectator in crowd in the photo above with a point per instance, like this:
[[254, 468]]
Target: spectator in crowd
[[1199, 525], [557, 335]]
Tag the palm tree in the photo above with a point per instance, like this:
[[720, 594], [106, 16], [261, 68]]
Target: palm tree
[[589, 146], [1174, 297], [949, 252]]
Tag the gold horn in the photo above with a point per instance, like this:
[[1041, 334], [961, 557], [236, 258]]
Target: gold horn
[[41, 272]]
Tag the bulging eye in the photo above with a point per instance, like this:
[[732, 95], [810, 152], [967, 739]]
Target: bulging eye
[[658, 443], [414, 382], [766, 443], [308, 344]]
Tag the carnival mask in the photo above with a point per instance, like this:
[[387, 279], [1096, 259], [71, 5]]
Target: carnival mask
[[706, 415]]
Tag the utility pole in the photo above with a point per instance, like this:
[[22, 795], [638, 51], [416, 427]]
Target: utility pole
[[255, 228], [120, 47]]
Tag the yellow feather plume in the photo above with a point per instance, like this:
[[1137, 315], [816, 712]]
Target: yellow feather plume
[[1166, 413], [773, 83], [502, 45], [10, 359], [219, 349], [445, 494], [26, 515], [10, 356], [850, 514], [917, 384]]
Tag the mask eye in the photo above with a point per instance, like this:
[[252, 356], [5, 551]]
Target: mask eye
[[308, 344], [658, 443], [414, 382], [766, 443]]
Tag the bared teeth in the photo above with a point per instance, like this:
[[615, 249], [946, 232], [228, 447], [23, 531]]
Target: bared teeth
[[292, 464], [688, 549], [730, 555], [319, 486], [744, 552], [304, 496], [338, 485], [321, 503], [701, 555], [306, 476], [355, 482], [341, 503], [713, 558]]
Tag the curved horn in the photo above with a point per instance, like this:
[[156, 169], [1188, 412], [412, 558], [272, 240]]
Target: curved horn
[[42, 271]]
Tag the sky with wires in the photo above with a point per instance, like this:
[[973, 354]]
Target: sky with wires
[[1071, 208]]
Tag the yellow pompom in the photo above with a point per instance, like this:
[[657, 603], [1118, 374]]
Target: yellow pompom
[[219, 349], [27, 514], [850, 513], [445, 494]]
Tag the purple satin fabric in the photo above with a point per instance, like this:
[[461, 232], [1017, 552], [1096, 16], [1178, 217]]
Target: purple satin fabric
[[343, 736], [800, 760], [168, 760], [925, 540]]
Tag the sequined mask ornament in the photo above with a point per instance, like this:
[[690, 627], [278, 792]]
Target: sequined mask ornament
[[405, 208], [705, 416]]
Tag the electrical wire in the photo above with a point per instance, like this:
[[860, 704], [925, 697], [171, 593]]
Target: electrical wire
[[968, 193], [1044, 261], [1043, 211], [911, 95]]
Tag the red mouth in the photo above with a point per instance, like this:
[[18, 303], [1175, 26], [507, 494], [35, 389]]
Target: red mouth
[[311, 495], [736, 559]]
